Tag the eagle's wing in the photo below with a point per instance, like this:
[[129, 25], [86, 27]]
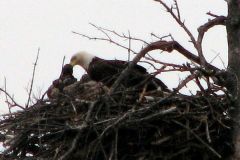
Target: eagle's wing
[[123, 65]]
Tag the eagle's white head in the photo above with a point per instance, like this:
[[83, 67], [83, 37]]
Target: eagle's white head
[[82, 59]]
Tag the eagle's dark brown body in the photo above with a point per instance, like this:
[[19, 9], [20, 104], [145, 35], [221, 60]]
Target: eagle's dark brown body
[[66, 78], [107, 71]]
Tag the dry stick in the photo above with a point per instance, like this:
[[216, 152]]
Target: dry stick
[[184, 82], [129, 46], [197, 81], [117, 34], [102, 30], [101, 145], [211, 14], [11, 98], [149, 63], [63, 61], [103, 39], [207, 131], [6, 97], [160, 113], [161, 38], [177, 8], [175, 67], [118, 120], [215, 57], [33, 76], [90, 110]]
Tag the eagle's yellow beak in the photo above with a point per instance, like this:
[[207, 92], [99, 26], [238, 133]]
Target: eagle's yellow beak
[[73, 62]]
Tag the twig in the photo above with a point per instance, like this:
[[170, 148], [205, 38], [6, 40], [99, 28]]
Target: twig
[[14, 103], [211, 14], [33, 76], [103, 39], [90, 110], [207, 131], [6, 97], [197, 43], [129, 46], [160, 113], [178, 20], [160, 38], [178, 11], [117, 34], [63, 61]]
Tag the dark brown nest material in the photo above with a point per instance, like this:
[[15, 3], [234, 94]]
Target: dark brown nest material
[[84, 122]]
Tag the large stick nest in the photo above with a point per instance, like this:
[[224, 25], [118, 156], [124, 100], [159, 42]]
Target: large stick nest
[[84, 122], [87, 121]]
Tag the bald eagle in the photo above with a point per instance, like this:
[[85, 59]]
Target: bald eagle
[[107, 71]]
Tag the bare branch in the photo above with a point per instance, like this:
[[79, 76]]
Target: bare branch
[[178, 20], [220, 20], [104, 39], [129, 45], [33, 76], [178, 11], [161, 38], [63, 61], [105, 30], [14, 103], [181, 23], [204, 28], [211, 14], [6, 97]]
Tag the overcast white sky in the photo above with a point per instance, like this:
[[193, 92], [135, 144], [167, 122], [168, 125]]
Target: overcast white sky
[[29, 24]]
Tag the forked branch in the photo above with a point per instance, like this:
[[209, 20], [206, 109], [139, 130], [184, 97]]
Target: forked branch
[[218, 20]]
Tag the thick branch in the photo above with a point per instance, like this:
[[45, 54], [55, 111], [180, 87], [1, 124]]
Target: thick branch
[[220, 20], [204, 28]]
